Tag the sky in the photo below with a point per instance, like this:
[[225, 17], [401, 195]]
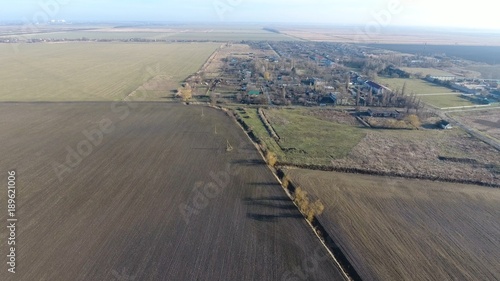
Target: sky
[[480, 14]]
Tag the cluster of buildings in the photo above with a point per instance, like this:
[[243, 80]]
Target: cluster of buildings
[[481, 91]]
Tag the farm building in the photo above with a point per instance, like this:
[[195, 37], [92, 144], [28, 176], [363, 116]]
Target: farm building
[[393, 71], [331, 99], [468, 88], [377, 88], [383, 113], [445, 125], [431, 78], [310, 81], [254, 93]]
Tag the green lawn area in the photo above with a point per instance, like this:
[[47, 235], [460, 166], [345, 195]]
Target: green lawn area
[[426, 71], [96, 71], [442, 101], [417, 86], [304, 139], [308, 140], [251, 118]]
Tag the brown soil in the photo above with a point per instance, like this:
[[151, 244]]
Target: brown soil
[[117, 211], [397, 229]]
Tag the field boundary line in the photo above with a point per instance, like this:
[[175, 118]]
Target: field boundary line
[[268, 125], [467, 106], [314, 229], [351, 170], [275, 174]]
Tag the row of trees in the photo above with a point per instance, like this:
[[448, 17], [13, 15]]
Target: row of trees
[[397, 98], [185, 92]]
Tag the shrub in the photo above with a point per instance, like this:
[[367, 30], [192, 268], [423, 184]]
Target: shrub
[[413, 120], [285, 182], [310, 210], [271, 158]]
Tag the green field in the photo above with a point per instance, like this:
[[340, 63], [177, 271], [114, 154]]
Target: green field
[[416, 86], [442, 101], [432, 94], [304, 139], [426, 71], [96, 71], [310, 140], [251, 118]]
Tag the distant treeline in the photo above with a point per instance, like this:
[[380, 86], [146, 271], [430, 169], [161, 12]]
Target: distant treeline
[[486, 54], [272, 30]]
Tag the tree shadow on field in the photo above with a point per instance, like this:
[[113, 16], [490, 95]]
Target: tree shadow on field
[[270, 209], [278, 204], [272, 218], [270, 198], [249, 162], [264, 184], [431, 126]]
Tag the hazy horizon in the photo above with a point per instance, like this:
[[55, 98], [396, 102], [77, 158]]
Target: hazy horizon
[[391, 13]]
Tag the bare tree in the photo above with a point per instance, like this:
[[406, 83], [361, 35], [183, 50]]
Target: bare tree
[[185, 92], [357, 99]]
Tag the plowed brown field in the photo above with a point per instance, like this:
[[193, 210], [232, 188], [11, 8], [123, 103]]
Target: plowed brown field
[[398, 229], [157, 197]]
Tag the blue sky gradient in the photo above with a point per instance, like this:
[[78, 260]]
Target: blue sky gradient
[[479, 14]]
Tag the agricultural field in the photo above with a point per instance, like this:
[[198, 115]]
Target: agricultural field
[[251, 118], [305, 138], [435, 95], [336, 141], [428, 153], [327, 141], [487, 51], [94, 35], [233, 35], [188, 33], [485, 121], [445, 100], [399, 229], [403, 39], [487, 71], [98, 71], [426, 71], [143, 191], [417, 86]]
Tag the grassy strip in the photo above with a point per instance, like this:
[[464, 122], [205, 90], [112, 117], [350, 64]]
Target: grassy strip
[[306, 139]]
